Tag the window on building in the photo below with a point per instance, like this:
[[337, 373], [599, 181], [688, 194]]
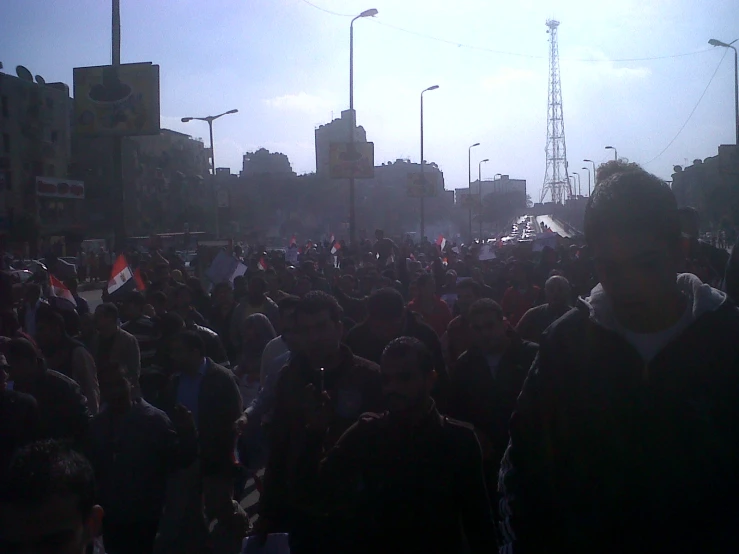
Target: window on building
[[6, 143], [49, 103], [5, 106]]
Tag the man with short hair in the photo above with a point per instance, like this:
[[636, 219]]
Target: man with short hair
[[141, 326], [388, 319], [134, 447], [320, 393], [116, 346], [422, 486], [624, 435], [559, 301], [433, 309], [82, 306], [256, 302], [487, 379], [47, 502], [66, 355], [456, 340]]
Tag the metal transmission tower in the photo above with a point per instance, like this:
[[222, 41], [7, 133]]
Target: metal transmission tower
[[556, 179]]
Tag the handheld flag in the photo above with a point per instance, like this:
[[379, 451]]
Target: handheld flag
[[140, 285], [58, 290], [263, 264], [335, 248], [441, 242], [293, 241], [121, 278]]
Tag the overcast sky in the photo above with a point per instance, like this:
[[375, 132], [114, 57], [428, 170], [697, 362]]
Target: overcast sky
[[284, 64]]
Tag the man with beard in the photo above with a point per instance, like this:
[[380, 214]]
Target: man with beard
[[408, 479]]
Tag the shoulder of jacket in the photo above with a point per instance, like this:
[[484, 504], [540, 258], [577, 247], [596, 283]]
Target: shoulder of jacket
[[457, 424], [365, 365]]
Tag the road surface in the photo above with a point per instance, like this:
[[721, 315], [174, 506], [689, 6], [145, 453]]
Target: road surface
[[553, 225], [93, 297]]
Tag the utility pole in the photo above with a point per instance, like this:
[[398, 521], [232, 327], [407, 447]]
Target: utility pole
[[117, 193]]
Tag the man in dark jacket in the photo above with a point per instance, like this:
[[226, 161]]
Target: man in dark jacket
[[409, 479], [487, 380], [19, 419], [63, 412], [320, 393], [388, 319], [558, 295], [624, 436]]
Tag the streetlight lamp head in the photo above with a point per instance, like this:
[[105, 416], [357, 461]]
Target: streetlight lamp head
[[476, 144], [433, 88], [232, 111], [368, 13], [714, 42], [609, 147], [589, 161], [485, 160], [186, 119]]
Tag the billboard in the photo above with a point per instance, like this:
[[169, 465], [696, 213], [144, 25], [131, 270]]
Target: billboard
[[116, 101], [348, 160], [423, 184], [60, 188]]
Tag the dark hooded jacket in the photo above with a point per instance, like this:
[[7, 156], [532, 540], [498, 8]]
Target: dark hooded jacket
[[613, 453]]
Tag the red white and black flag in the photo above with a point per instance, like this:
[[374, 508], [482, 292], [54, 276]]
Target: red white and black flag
[[121, 278]]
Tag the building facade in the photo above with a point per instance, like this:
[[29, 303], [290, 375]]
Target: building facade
[[35, 146], [339, 130]]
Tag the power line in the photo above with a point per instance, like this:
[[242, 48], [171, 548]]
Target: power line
[[504, 52], [726, 51]]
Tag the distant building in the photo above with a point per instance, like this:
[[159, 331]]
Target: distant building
[[710, 186], [35, 123], [339, 130], [502, 185], [165, 180], [262, 162]]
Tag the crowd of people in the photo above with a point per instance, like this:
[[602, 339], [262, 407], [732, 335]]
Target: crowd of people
[[402, 398]]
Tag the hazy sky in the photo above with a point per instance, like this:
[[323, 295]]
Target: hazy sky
[[284, 65]]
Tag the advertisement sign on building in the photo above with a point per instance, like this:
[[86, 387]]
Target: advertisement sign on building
[[426, 185], [117, 101], [348, 160], [60, 188]]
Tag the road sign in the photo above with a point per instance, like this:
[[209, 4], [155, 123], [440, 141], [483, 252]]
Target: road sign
[[426, 184], [347, 160]]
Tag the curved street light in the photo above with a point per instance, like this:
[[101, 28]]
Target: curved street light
[[479, 195], [423, 180], [469, 187], [595, 174], [714, 42], [615, 152]]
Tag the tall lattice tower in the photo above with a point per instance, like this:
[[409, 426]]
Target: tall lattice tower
[[556, 179]]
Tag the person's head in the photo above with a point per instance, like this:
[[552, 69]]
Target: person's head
[[106, 319], [50, 327], [318, 322], [558, 292], [188, 351], [518, 276], [632, 227], [487, 326], [181, 297], [223, 294], [348, 284], [115, 388], [170, 324], [467, 292], [177, 276], [240, 285], [425, 286], [158, 301], [273, 283], [33, 293], [308, 268], [408, 375], [257, 331], [379, 234], [133, 305], [23, 361], [257, 289], [87, 325], [477, 275], [450, 279], [689, 222], [161, 273], [47, 502], [287, 307], [287, 282], [386, 314], [303, 286], [71, 283]]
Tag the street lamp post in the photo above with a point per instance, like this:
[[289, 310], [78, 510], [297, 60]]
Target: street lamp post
[[571, 179], [578, 182], [615, 152], [595, 174], [479, 195], [423, 179], [714, 42], [353, 123], [210, 119], [588, 170], [469, 183]]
